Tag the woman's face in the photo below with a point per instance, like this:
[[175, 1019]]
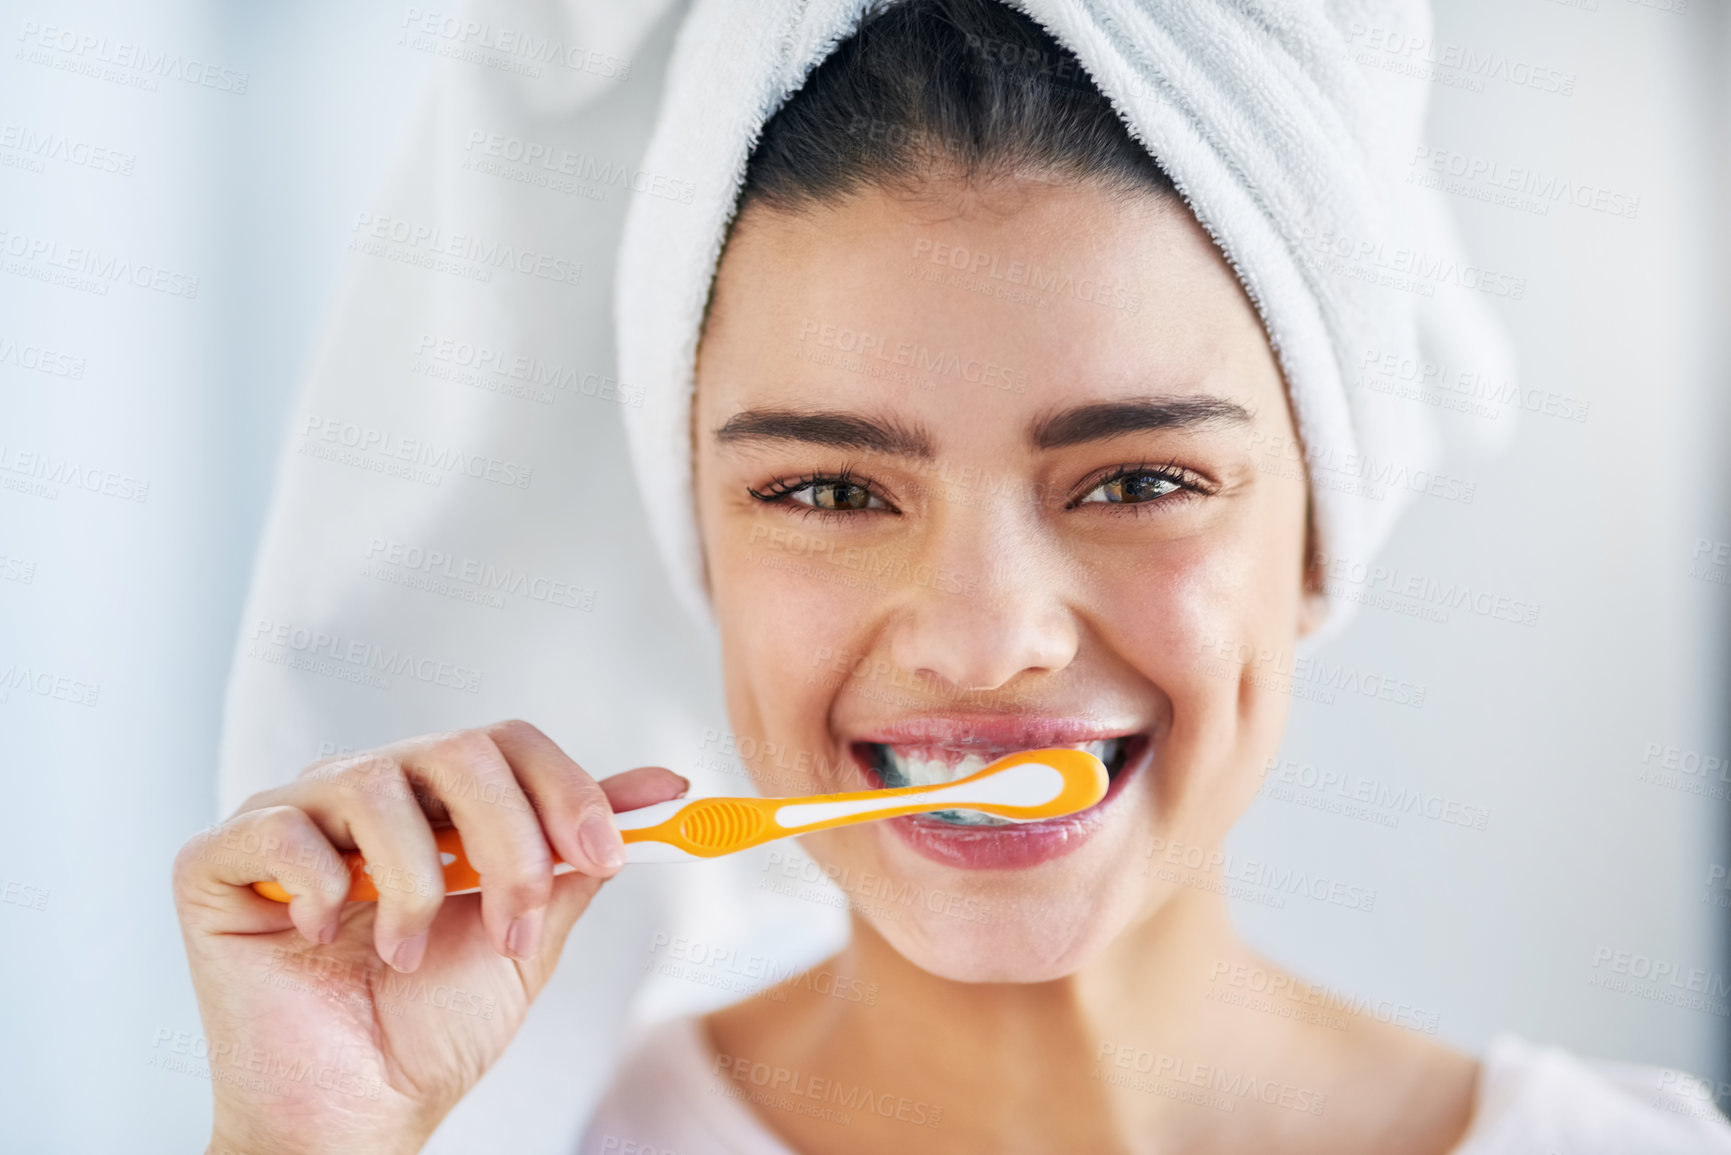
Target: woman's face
[[981, 471]]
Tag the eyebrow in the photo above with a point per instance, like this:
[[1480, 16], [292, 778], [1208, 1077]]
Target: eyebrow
[[1098, 421], [837, 430]]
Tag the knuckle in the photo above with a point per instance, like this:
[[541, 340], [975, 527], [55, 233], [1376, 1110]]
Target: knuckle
[[258, 801], [575, 783], [568, 798], [367, 777], [281, 822], [287, 844], [519, 730], [299, 846], [378, 789], [327, 768], [587, 795], [412, 891], [408, 914], [192, 858], [454, 765], [473, 749], [487, 776], [520, 873], [528, 890], [415, 900], [367, 769]]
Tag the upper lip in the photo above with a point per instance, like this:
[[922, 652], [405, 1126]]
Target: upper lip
[[995, 731]]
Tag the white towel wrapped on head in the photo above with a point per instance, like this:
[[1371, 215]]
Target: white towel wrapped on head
[[1290, 154]]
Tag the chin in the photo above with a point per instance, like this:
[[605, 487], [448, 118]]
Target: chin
[[1011, 948]]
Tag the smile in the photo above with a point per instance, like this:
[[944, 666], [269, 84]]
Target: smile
[[937, 750], [926, 765]]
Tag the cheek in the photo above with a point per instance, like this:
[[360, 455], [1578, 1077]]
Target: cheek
[[785, 606], [794, 626], [1164, 608], [1202, 620]]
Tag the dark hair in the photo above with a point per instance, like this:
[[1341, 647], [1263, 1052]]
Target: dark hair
[[966, 88]]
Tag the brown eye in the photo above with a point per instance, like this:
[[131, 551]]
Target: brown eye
[[1132, 489], [843, 495], [823, 493]]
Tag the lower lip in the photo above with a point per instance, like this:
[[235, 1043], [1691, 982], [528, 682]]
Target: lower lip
[[1022, 845]]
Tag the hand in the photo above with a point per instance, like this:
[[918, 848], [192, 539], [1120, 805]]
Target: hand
[[336, 1026]]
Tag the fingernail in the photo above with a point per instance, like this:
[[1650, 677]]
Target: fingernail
[[601, 842], [328, 932], [524, 935], [685, 789], [409, 953]]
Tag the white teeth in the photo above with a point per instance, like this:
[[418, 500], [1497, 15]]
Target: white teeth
[[936, 771], [916, 771]]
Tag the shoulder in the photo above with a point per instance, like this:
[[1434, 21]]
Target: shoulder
[[668, 1096], [1536, 1098]]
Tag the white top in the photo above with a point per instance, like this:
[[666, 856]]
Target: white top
[[667, 1099]]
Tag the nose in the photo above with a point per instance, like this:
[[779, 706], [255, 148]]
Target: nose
[[989, 606]]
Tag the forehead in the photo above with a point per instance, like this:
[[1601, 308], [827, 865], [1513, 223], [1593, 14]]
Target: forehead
[[978, 308]]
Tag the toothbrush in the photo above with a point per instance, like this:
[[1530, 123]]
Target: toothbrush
[[1024, 787]]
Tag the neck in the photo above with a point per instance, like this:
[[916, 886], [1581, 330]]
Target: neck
[[1153, 1038], [1008, 1063]]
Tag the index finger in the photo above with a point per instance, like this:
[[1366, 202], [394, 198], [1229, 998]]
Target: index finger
[[575, 812]]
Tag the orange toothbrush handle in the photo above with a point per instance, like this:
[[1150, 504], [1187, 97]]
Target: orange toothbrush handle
[[711, 827], [459, 875], [704, 828]]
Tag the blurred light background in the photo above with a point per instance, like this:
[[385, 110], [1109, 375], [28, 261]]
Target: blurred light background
[[1561, 810]]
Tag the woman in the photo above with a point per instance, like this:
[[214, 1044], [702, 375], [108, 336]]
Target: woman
[[988, 450]]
